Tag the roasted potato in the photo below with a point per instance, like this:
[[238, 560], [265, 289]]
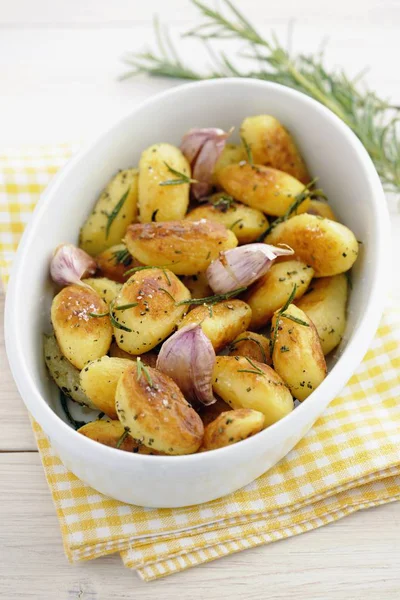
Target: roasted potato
[[197, 285], [114, 263], [106, 288], [321, 209], [272, 290], [149, 358], [325, 305], [221, 322], [329, 248], [81, 336], [253, 345], [159, 202], [64, 374], [272, 145], [99, 380], [114, 211], [109, 433], [153, 410], [262, 188], [154, 294], [230, 155], [232, 427], [212, 411], [297, 354], [249, 384], [245, 222], [184, 247]]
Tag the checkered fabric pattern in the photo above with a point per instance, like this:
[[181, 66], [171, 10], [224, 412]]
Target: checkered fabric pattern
[[349, 461]]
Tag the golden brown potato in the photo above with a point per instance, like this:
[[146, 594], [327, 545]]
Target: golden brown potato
[[184, 247], [231, 154], [325, 305], [272, 145], [99, 381], [212, 411], [197, 285], [272, 290], [109, 433], [246, 223], [81, 337], [221, 322], [114, 211], [329, 248], [155, 294], [297, 354], [106, 288], [232, 427], [253, 345], [263, 188], [114, 263], [321, 209], [244, 383], [162, 202], [153, 410], [64, 374], [149, 358]]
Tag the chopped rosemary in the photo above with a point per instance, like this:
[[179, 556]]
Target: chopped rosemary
[[64, 405], [213, 299], [113, 214], [249, 153], [142, 369], [224, 203], [249, 339], [126, 306], [122, 257], [181, 177], [122, 439]]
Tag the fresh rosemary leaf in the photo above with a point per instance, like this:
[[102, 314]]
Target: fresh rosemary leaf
[[249, 339], [142, 369], [212, 299], [181, 177], [116, 323], [154, 215], [295, 319], [94, 315], [113, 214], [289, 300], [249, 153], [64, 399], [126, 306], [235, 223], [122, 257], [224, 203], [136, 269], [122, 439]]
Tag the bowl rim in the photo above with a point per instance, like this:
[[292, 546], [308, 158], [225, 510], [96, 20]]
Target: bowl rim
[[357, 345]]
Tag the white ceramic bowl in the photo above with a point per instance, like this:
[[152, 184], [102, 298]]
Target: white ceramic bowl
[[347, 175]]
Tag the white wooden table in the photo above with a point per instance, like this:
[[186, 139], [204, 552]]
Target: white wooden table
[[58, 66]]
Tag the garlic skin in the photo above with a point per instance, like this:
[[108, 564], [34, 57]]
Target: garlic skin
[[188, 357], [242, 266], [202, 148], [70, 264]]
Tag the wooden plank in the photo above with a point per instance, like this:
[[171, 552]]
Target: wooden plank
[[355, 558]]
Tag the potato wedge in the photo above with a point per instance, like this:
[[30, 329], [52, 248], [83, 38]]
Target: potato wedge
[[149, 358], [155, 314], [297, 354], [325, 305], [99, 380], [184, 247], [329, 248], [222, 322], [230, 155], [321, 209], [262, 188], [153, 410], [232, 427], [64, 374], [252, 385], [253, 345], [109, 433], [197, 285], [106, 288], [162, 202], [272, 290], [212, 411], [81, 337], [245, 222], [114, 263], [114, 211], [272, 145]]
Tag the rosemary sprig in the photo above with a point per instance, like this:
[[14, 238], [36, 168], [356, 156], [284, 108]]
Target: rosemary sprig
[[274, 337], [114, 322], [255, 370], [122, 439], [249, 339], [113, 214], [142, 369], [212, 299], [122, 257], [181, 177], [373, 119]]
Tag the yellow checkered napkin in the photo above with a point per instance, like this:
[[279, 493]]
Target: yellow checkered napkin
[[349, 461]]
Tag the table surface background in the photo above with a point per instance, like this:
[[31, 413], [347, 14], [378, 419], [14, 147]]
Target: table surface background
[[59, 63]]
